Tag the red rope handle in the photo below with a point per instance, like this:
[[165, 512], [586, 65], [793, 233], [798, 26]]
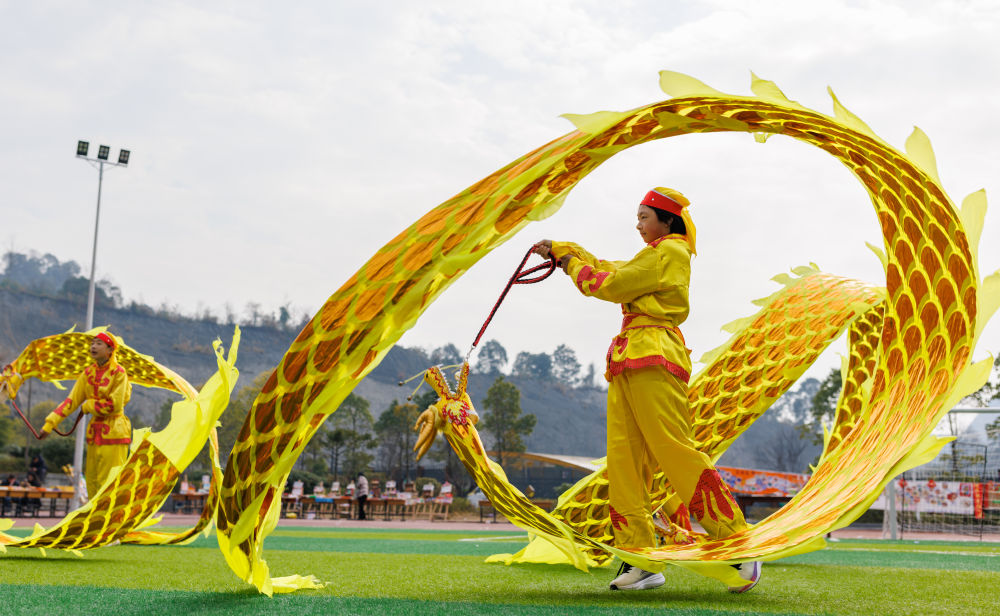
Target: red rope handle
[[32, 428], [519, 277]]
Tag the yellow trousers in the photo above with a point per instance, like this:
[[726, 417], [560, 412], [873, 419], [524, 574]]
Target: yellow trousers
[[100, 460], [649, 427]]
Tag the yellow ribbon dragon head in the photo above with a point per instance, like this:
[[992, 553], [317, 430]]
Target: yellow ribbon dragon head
[[452, 408]]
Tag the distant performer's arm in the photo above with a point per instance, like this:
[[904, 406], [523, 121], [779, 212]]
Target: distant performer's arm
[[77, 395]]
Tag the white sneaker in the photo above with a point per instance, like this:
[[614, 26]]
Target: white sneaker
[[750, 572], [634, 578]]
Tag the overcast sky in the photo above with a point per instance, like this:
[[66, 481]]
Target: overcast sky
[[275, 147]]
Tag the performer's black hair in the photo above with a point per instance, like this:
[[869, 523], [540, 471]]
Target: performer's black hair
[[676, 222]]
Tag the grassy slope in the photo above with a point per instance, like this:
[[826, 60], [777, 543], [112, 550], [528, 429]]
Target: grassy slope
[[427, 572]]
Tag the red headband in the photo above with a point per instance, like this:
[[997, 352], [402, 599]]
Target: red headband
[[662, 202], [106, 339]]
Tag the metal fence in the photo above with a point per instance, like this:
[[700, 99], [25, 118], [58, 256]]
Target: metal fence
[[957, 493]]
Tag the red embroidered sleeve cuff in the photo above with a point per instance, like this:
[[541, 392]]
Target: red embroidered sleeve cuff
[[61, 409]]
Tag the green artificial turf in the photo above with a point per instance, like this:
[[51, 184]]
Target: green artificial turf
[[22, 600], [370, 571]]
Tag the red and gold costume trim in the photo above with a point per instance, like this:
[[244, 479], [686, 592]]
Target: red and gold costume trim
[[619, 346], [711, 489], [97, 431], [618, 520], [103, 392], [588, 275], [652, 289]]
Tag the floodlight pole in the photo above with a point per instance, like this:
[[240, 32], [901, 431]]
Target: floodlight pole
[[81, 433], [93, 257]]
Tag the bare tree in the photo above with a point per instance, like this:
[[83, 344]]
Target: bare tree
[[230, 314], [253, 313], [783, 450]]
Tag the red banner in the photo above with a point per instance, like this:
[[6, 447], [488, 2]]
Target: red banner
[[930, 496], [991, 495], [977, 500]]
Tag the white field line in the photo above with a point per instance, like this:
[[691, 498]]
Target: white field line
[[904, 551]]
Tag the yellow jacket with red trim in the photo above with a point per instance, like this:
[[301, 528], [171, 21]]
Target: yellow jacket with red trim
[[652, 289], [102, 391]]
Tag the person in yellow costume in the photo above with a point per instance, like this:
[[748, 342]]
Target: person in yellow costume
[[648, 367], [102, 390]]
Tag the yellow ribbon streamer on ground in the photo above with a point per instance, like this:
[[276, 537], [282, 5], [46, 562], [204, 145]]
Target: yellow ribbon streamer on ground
[[122, 509]]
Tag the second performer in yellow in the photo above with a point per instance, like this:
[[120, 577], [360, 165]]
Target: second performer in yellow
[[102, 390]]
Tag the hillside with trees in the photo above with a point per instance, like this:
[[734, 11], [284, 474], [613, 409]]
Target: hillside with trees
[[563, 402], [41, 296]]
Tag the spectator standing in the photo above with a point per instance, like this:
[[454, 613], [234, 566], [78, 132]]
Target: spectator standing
[[39, 468], [362, 488]]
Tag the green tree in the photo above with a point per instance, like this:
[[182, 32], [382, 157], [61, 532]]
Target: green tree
[[235, 416], [163, 415], [313, 453], [991, 392], [824, 407], [448, 355], [334, 441], [105, 293], [57, 452], [993, 430], [454, 471], [355, 422], [341, 444], [491, 359], [503, 419], [565, 365], [284, 315], [231, 421], [396, 438], [533, 366], [359, 457], [38, 273], [7, 429], [36, 415], [988, 392], [354, 414]]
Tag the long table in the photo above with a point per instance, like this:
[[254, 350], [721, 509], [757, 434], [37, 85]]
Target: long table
[[30, 501], [342, 507], [188, 502]]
